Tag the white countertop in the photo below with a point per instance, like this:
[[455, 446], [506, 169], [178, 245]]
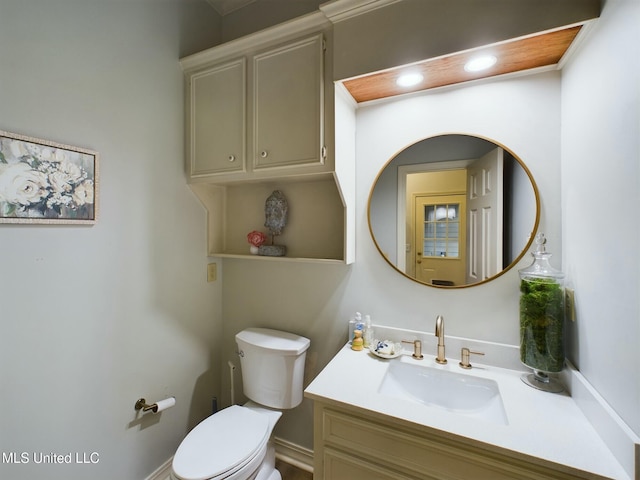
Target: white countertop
[[545, 425]]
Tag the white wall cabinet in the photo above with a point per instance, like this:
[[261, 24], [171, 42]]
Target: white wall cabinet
[[260, 117], [355, 444], [288, 101], [217, 117], [269, 103]]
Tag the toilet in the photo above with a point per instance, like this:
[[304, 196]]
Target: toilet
[[235, 443]]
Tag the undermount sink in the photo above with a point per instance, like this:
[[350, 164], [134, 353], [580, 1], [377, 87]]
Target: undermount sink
[[454, 392]]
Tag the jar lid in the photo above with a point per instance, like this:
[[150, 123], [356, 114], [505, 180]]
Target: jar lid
[[541, 268]]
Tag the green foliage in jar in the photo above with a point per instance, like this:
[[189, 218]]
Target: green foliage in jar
[[542, 324]]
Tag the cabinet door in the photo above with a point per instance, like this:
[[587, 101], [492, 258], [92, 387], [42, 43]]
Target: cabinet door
[[338, 465], [217, 120], [288, 88]]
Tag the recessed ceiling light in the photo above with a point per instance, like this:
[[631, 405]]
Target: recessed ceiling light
[[409, 79], [480, 63]]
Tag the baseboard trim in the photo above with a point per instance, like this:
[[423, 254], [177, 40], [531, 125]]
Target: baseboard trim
[[286, 451], [163, 472], [293, 454]]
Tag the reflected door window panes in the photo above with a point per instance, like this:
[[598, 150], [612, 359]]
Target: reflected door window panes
[[441, 237]]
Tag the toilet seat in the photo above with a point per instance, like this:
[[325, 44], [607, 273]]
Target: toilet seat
[[223, 446]]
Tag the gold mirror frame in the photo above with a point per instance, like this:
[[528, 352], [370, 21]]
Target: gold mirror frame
[[526, 248]]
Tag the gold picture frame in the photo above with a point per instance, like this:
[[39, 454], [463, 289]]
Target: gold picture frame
[[46, 182]]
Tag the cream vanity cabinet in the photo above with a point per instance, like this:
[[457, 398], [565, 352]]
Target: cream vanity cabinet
[[356, 444], [259, 117]]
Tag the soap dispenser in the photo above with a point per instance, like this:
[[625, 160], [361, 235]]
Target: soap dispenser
[[542, 320], [367, 335]]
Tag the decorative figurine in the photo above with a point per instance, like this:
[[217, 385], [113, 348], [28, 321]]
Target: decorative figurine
[[276, 210]]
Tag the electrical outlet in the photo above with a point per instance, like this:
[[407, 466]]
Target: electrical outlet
[[570, 304], [212, 272]]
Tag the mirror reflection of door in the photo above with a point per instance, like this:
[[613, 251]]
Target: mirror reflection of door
[[497, 234], [485, 216], [440, 229], [436, 189]]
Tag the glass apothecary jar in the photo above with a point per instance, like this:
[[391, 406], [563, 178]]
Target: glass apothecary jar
[[542, 319]]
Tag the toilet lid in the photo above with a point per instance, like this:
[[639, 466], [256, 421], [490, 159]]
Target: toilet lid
[[221, 443]]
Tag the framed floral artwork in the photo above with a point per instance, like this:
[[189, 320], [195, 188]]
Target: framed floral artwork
[[46, 182]]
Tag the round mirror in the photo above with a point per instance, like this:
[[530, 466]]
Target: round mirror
[[453, 211]]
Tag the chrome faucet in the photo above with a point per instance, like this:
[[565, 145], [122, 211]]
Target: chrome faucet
[[440, 334]]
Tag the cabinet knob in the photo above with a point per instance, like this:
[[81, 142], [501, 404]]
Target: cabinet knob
[[232, 158], [264, 154]]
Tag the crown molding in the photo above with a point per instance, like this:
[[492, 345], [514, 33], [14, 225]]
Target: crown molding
[[339, 10]]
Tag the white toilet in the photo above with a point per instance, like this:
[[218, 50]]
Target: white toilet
[[234, 443]]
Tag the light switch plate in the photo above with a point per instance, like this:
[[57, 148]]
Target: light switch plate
[[212, 272]]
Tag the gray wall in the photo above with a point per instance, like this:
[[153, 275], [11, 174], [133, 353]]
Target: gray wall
[[601, 187], [263, 14], [94, 317]]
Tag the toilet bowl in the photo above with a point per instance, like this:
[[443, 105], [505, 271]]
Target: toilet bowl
[[235, 443], [230, 445]]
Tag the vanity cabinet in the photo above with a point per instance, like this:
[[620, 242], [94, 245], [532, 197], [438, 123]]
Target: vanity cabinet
[[259, 117], [356, 444]]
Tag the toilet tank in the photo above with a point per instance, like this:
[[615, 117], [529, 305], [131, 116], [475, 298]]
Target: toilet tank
[[272, 364]]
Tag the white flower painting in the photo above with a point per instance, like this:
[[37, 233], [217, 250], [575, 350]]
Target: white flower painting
[[44, 182]]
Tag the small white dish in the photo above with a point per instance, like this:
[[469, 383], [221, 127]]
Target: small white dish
[[396, 349]]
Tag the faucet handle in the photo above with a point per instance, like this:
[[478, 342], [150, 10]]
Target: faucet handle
[[417, 348], [464, 357]]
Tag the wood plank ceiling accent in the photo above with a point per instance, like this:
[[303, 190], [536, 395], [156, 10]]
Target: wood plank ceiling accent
[[525, 53]]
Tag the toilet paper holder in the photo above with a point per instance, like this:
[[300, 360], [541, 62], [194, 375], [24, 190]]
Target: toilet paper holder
[[141, 404]]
